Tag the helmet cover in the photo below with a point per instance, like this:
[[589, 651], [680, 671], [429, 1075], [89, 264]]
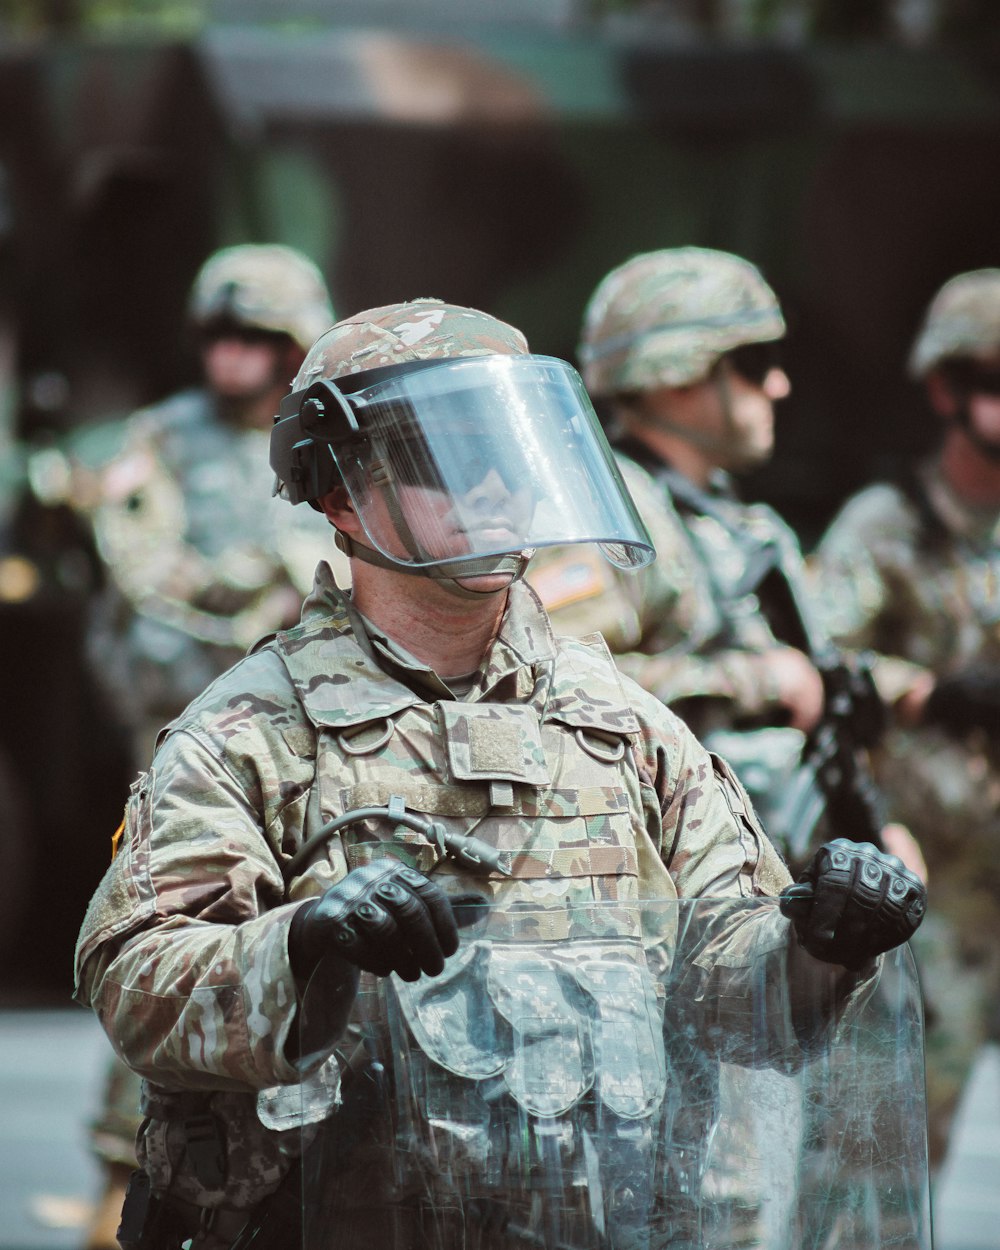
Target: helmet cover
[[963, 319], [664, 318], [265, 286]]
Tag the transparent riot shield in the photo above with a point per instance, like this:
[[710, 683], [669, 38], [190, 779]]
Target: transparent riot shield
[[618, 1076]]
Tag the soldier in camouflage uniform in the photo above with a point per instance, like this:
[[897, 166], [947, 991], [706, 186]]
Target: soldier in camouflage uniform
[[680, 344], [910, 570], [201, 560], [314, 811]]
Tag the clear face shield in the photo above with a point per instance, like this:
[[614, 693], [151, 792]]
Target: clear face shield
[[458, 461]]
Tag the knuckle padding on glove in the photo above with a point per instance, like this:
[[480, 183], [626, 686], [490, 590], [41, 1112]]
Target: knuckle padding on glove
[[864, 902], [384, 918]]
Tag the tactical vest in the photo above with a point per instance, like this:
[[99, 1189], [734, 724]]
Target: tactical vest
[[514, 1042], [550, 784]]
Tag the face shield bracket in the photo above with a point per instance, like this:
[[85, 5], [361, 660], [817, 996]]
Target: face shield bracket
[[310, 423]]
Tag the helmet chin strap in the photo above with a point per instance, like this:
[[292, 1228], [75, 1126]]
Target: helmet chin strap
[[711, 444], [510, 564]]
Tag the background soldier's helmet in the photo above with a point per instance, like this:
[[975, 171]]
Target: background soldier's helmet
[[264, 286], [664, 318], [963, 320]]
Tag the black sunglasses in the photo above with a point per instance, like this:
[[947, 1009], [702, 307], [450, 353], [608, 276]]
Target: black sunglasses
[[225, 328], [969, 377], [754, 361]]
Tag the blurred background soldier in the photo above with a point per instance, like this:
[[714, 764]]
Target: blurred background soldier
[[680, 345], [201, 559], [911, 570]]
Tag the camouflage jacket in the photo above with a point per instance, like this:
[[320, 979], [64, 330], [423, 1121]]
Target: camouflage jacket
[[589, 785], [683, 627], [202, 560], [911, 574]]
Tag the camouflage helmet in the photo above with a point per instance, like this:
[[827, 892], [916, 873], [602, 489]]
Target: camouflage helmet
[[397, 334], [664, 318], [266, 286], [963, 319]]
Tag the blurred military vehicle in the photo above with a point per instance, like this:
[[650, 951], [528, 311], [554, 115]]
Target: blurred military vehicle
[[505, 164]]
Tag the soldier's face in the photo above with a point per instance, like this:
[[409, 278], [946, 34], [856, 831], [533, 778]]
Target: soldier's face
[[490, 516], [245, 366], [984, 401], [729, 415], [750, 415], [419, 522], [975, 386]]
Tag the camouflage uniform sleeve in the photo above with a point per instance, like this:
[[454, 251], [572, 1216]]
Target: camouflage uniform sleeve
[[736, 947], [730, 674], [859, 577], [710, 838], [183, 951]]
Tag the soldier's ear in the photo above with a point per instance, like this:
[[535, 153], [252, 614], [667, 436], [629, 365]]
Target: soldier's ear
[[339, 510]]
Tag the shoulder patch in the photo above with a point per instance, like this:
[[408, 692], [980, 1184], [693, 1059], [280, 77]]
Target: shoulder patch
[[571, 577]]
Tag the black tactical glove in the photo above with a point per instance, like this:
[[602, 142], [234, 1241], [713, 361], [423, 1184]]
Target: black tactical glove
[[853, 902], [383, 918], [968, 699]]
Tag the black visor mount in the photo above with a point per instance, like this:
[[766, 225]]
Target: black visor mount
[[316, 418], [309, 422]]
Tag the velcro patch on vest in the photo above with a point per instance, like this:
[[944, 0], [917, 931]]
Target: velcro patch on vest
[[494, 742], [575, 861]]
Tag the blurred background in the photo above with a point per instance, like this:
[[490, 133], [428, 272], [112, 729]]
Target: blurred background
[[496, 153], [499, 153]]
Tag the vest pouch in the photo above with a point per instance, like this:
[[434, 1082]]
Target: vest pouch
[[445, 1136], [627, 1036], [452, 1018], [552, 1065]]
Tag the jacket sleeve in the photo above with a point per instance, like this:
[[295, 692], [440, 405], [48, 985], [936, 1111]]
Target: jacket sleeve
[[864, 578], [736, 981], [183, 951]]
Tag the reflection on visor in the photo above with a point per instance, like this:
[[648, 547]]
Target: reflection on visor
[[512, 446], [473, 458]]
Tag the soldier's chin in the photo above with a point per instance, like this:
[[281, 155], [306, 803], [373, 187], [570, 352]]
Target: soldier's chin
[[746, 459], [487, 583]]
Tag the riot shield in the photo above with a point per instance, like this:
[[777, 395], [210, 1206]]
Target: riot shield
[[617, 1076]]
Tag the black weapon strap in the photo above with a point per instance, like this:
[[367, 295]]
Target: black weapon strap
[[933, 530]]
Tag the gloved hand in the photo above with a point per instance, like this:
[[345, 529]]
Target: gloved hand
[[968, 699], [853, 902], [383, 917]]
